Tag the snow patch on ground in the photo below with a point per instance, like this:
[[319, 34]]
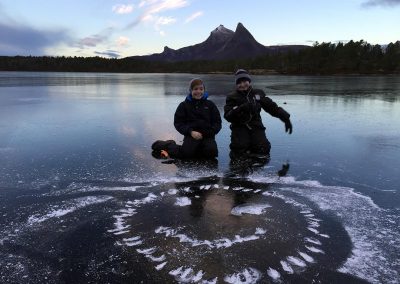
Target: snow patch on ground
[[255, 209], [247, 276], [186, 275], [183, 201], [274, 274], [286, 267], [296, 261], [218, 243], [67, 207]]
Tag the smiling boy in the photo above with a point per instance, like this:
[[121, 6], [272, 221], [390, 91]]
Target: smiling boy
[[242, 110], [198, 120]]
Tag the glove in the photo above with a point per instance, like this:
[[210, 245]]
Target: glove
[[288, 126], [249, 107], [245, 107]]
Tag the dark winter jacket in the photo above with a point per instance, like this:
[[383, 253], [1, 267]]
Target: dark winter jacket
[[197, 115], [243, 109]]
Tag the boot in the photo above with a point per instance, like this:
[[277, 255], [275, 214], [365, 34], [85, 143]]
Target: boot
[[162, 145]]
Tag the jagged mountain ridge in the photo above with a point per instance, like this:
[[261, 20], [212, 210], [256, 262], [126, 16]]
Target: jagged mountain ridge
[[222, 44]]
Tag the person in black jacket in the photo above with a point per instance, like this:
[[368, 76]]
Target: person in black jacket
[[242, 110], [198, 120]]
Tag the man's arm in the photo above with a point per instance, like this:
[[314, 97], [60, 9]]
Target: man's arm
[[273, 109]]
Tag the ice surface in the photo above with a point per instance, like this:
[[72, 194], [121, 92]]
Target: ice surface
[[363, 220]]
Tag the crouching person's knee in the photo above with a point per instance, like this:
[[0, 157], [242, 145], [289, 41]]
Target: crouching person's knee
[[265, 148], [262, 148], [188, 153], [210, 149], [211, 153]]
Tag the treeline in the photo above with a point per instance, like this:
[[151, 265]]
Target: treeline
[[354, 57]]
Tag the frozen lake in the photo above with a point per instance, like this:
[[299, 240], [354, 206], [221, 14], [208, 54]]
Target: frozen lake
[[82, 199]]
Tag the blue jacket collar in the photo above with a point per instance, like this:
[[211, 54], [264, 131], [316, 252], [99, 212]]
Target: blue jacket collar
[[190, 98]]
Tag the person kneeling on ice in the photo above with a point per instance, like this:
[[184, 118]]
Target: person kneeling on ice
[[242, 110], [198, 119]]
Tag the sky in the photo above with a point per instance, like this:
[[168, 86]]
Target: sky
[[118, 28]]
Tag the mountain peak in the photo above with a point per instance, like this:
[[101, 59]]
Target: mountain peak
[[243, 34], [222, 30], [166, 48], [239, 25], [240, 29]]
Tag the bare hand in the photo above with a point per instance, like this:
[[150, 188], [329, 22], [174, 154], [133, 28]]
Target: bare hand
[[196, 135]]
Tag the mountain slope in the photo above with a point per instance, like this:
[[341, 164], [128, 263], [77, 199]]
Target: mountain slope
[[222, 44]]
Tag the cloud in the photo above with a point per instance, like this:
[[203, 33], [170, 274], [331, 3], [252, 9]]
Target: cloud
[[91, 40], [194, 16], [162, 21], [108, 53], [96, 39], [155, 7], [164, 5], [17, 39], [386, 3], [122, 9], [122, 41], [147, 2]]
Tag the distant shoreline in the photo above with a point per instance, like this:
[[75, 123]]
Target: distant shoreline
[[325, 59], [268, 72]]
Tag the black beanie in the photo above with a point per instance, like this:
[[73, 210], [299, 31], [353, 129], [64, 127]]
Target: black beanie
[[241, 74]]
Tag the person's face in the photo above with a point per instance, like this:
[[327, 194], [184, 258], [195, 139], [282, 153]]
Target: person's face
[[243, 85], [197, 92]]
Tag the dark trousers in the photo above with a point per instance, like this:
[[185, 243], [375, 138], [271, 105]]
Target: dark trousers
[[253, 140], [191, 148]]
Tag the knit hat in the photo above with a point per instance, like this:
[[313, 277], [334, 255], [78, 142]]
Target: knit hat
[[195, 82], [242, 74]]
